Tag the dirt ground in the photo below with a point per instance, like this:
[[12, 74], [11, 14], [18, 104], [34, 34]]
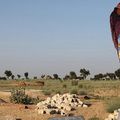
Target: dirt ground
[[10, 111]]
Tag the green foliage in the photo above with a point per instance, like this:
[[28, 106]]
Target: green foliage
[[73, 75], [117, 73], [82, 92], [74, 82], [80, 86], [55, 76], [64, 86], [74, 91], [19, 96], [84, 73], [8, 73], [26, 75], [113, 104], [47, 92]]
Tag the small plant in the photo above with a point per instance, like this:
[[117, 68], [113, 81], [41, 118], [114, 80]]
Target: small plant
[[74, 91], [113, 104], [46, 92], [64, 86], [57, 92], [74, 82], [82, 92], [80, 86], [19, 96]]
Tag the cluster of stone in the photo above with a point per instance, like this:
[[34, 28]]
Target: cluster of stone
[[114, 116], [60, 104]]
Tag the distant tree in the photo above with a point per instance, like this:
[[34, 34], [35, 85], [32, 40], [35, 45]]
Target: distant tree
[[84, 73], [42, 76], [55, 76], [3, 78], [19, 76], [112, 76], [12, 76], [26, 75], [98, 76], [67, 77], [117, 73], [48, 77], [73, 75], [8, 73], [35, 77]]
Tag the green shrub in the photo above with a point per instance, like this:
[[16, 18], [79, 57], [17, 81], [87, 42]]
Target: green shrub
[[80, 86], [113, 104], [74, 91], [57, 92], [47, 92], [19, 96], [82, 92], [64, 86], [74, 83]]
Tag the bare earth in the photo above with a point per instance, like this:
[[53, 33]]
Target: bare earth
[[10, 111]]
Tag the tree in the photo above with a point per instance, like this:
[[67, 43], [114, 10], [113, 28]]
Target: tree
[[84, 73], [26, 75], [112, 76], [42, 76], [8, 73], [73, 75], [98, 76], [12, 76], [117, 73], [19, 76], [66, 77], [55, 76]]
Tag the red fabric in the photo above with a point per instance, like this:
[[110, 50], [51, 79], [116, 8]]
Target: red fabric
[[115, 27]]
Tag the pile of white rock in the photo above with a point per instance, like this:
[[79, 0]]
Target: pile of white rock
[[114, 116], [60, 104]]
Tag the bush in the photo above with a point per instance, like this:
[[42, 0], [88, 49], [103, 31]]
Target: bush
[[64, 86], [19, 96], [80, 86], [46, 92], [74, 91], [82, 92], [113, 104], [74, 83], [57, 92]]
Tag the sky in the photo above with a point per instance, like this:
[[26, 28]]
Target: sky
[[56, 36]]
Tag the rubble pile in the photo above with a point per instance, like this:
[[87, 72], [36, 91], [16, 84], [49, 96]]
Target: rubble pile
[[60, 104]]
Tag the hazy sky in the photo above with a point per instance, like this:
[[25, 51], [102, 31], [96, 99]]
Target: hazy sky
[[56, 36]]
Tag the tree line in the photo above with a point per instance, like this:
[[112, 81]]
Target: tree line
[[83, 74]]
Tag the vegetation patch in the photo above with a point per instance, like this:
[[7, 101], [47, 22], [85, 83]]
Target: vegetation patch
[[113, 104]]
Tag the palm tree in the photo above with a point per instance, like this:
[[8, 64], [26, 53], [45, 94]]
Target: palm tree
[[84, 73], [8, 73]]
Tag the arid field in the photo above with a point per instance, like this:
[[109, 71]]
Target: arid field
[[101, 95]]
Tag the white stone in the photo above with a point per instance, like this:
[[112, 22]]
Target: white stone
[[85, 106], [111, 117]]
